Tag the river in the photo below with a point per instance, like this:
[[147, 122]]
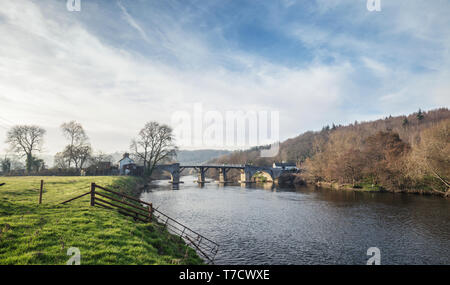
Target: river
[[260, 224]]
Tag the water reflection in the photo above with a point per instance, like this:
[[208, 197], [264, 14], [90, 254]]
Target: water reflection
[[265, 224]]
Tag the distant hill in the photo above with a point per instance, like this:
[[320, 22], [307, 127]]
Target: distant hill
[[199, 156]]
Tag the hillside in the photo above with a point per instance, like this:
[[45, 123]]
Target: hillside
[[351, 154], [199, 156]]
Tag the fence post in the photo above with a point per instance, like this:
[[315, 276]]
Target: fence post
[[92, 194], [150, 209], [40, 192]]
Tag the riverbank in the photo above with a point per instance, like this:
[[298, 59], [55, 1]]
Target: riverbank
[[41, 234], [292, 180], [365, 187], [349, 187]]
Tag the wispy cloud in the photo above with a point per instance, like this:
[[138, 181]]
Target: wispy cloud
[[130, 20]]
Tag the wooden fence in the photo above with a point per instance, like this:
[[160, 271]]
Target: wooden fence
[[145, 212]]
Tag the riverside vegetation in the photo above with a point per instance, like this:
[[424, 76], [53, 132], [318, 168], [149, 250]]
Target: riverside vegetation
[[398, 154], [41, 234]]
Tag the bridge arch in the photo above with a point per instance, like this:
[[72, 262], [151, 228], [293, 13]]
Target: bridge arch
[[249, 171], [172, 169], [265, 175], [165, 172]]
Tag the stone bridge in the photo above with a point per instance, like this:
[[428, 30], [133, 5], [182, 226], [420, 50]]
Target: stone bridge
[[247, 171]]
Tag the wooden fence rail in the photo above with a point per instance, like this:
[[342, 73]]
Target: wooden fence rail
[[82, 195], [144, 212]]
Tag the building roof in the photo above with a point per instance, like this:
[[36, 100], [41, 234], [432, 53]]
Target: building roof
[[126, 155], [128, 158], [285, 164]]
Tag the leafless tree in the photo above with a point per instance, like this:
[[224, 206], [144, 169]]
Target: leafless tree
[[432, 156], [78, 154], [100, 157], [24, 140], [74, 132], [78, 151], [61, 161], [154, 144]]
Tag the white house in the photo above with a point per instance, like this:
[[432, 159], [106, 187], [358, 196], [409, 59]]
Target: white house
[[125, 163], [288, 166]]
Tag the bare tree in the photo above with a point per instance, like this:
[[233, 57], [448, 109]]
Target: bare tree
[[78, 154], [61, 161], [99, 158], [25, 140], [100, 163], [432, 156], [352, 162], [74, 132], [78, 151], [154, 144]]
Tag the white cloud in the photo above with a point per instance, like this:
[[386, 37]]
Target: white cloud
[[53, 70]]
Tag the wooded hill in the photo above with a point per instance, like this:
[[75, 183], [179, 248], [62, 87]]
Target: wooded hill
[[398, 153]]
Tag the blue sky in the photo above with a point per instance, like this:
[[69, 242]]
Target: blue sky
[[117, 64]]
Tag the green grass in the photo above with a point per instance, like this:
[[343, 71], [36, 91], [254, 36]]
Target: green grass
[[41, 234]]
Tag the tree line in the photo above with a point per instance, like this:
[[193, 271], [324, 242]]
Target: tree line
[[153, 144]]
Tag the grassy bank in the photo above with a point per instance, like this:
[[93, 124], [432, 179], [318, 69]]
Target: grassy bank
[[41, 234], [363, 187]]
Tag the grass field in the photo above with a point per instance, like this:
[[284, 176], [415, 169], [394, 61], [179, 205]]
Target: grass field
[[41, 234]]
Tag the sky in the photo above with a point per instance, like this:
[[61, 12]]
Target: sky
[[115, 65]]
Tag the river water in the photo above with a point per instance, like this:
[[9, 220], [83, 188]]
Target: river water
[[261, 224]]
